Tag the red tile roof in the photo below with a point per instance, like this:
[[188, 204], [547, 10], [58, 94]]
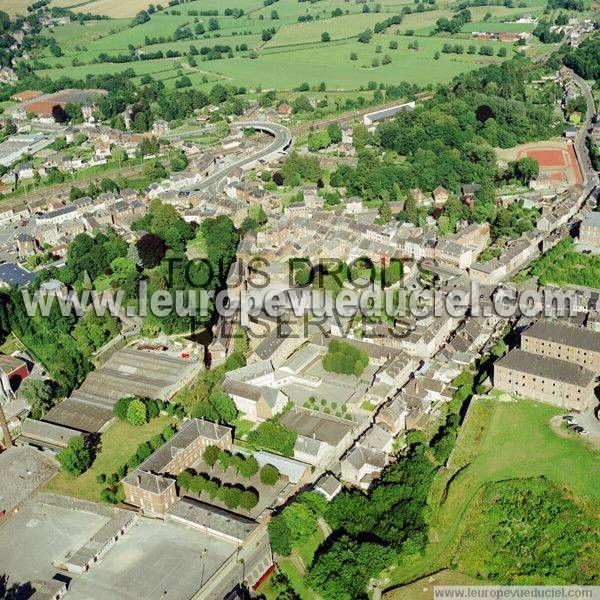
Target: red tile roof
[[26, 95]]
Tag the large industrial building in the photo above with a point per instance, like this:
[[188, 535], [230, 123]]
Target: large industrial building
[[128, 372]]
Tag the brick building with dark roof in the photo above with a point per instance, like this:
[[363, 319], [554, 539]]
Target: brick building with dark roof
[[152, 485]]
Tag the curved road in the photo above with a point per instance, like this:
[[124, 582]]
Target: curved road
[[280, 144], [589, 175]]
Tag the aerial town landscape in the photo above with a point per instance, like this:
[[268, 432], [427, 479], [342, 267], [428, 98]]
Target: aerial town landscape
[[299, 299]]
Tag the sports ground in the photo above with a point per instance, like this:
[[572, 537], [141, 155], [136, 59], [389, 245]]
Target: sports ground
[[557, 160]]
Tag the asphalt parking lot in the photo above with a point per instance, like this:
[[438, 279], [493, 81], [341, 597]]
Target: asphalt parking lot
[[589, 421]]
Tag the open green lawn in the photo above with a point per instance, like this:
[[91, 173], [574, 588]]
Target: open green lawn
[[331, 63], [10, 345], [499, 440], [423, 23], [296, 579], [294, 567], [497, 27], [87, 33], [117, 444], [196, 248]]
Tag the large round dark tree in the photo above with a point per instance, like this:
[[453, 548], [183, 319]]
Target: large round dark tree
[[151, 248]]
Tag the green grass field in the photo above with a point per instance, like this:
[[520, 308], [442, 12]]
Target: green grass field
[[286, 69], [117, 444], [294, 55], [496, 27], [338, 28], [499, 440]]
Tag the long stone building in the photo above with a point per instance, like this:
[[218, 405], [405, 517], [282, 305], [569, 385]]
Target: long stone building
[[546, 379], [555, 340]]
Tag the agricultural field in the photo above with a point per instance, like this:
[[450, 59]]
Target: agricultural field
[[112, 8], [294, 54], [13, 7], [287, 69]]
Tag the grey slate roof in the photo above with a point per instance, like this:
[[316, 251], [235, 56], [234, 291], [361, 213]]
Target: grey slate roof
[[150, 482], [546, 367], [329, 484], [217, 519], [579, 337], [188, 433]]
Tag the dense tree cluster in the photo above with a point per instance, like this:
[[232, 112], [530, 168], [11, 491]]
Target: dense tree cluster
[[296, 523], [89, 257], [137, 411], [342, 572], [524, 170], [93, 331], [274, 437], [585, 60], [448, 141], [547, 34], [455, 24], [392, 519], [76, 458], [317, 140], [204, 398], [48, 339], [40, 394], [298, 168], [345, 358], [578, 5]]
